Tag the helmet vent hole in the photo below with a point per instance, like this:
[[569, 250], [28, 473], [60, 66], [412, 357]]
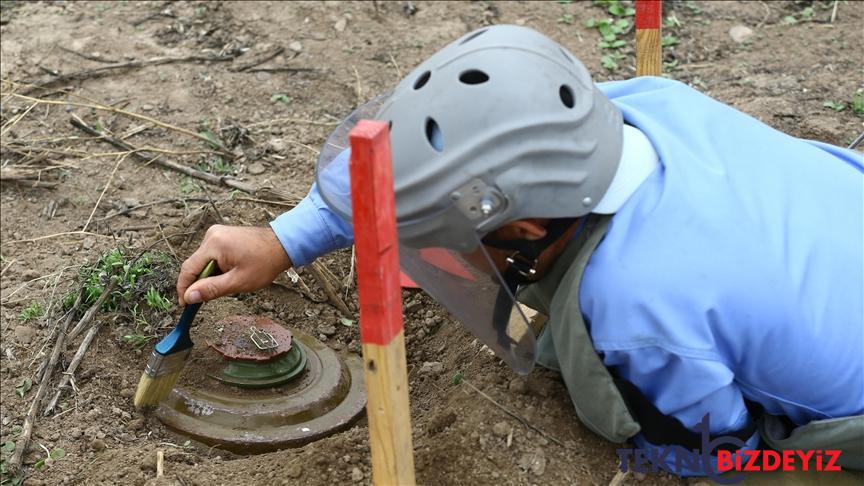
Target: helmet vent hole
[[473, 36], [422, 80], [473, 76], [433, 135], [566, 95]]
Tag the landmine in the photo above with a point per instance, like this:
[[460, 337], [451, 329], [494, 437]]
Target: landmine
[[264, 388]]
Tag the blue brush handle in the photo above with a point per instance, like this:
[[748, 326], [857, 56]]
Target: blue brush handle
[[179, 338]]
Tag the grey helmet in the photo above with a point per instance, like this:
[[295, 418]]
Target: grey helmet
[[502, 124]]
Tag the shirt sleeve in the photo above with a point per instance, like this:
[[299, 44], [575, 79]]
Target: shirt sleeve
[[686, 388], [311, 229]]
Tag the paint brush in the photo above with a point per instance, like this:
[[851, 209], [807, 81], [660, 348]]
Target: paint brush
[[169, 356]]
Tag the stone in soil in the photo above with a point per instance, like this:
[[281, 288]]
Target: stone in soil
[[518, 385], [431, 368], [257, 168], [501, 429], [534, 461], [294, 471], [327, 329], [740, 33], [24, 334], [98, 445], [356, 475]]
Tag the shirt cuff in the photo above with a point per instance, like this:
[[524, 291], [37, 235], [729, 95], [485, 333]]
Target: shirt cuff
[[310, 230]]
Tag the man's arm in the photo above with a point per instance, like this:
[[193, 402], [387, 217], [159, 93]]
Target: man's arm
[[251, 258], [686, 388]]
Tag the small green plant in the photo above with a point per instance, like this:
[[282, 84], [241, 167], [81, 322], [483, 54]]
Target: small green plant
[[55, 455], [32, 312], [137, 341], [565, 19], [671, 22], [284, 98], [127, 269], [215, 165], [188, 186], [6, 451], [838, 107], [858, 102], [458, 378], [669, 41], [213, 140], [805, 15], [23, 387], [157, 301]]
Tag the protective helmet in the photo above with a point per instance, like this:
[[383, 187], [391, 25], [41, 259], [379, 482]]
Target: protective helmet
[[502, 124]]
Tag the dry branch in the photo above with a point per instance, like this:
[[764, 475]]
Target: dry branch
[[70, 370], [112, 68], [157, 160], [43, 377], [332, 296], [260, 60], [88, 316]]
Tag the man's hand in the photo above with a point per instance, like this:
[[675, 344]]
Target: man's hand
[[249, 257]]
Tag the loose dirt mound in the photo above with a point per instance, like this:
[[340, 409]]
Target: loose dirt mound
[[278, 76]]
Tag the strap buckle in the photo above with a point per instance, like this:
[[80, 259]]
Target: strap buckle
[[523, 265]]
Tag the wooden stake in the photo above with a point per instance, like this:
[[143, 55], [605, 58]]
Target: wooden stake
[[381, 328], [649, 53]]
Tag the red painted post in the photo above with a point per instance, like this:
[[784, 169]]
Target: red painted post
[[381, 329], [649, 54]]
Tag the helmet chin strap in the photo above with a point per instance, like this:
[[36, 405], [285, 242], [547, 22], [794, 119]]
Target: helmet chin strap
[[521, 269], [522, 263]]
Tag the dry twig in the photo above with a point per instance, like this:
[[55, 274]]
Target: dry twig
[[513, 414], [325, 284], [111, 68], [103, 107], [146, 157], [43, 377]]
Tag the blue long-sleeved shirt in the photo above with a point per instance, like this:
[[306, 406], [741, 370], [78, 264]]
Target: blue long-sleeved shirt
[[735, 271]]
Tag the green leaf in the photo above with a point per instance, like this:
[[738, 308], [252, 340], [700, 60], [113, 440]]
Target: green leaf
[[8, 447], [565, 19], [629, 12], [346, 322], [858, 102], [57, 453], [214, 141], [807, 13], [669, 41], [458, 378], [616, 9], [591, 23], [790, 19], [23, 386], [284, 98], [838, 107]]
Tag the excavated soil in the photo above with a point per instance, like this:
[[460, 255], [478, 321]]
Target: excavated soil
[[333, 56]]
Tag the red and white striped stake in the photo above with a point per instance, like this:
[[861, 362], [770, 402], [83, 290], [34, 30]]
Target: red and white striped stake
[[649, 54], [381, 329]]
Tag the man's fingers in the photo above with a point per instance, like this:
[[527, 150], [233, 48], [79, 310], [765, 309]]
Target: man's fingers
[[209, 288], [189, 271]]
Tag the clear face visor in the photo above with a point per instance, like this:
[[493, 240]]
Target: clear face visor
[[469, 285]]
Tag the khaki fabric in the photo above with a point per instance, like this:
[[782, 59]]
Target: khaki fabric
[[565, 345]]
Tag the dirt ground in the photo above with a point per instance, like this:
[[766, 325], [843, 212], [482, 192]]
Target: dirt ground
[[273, 120]]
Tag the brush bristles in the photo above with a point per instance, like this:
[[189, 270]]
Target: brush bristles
[[153, 390]]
